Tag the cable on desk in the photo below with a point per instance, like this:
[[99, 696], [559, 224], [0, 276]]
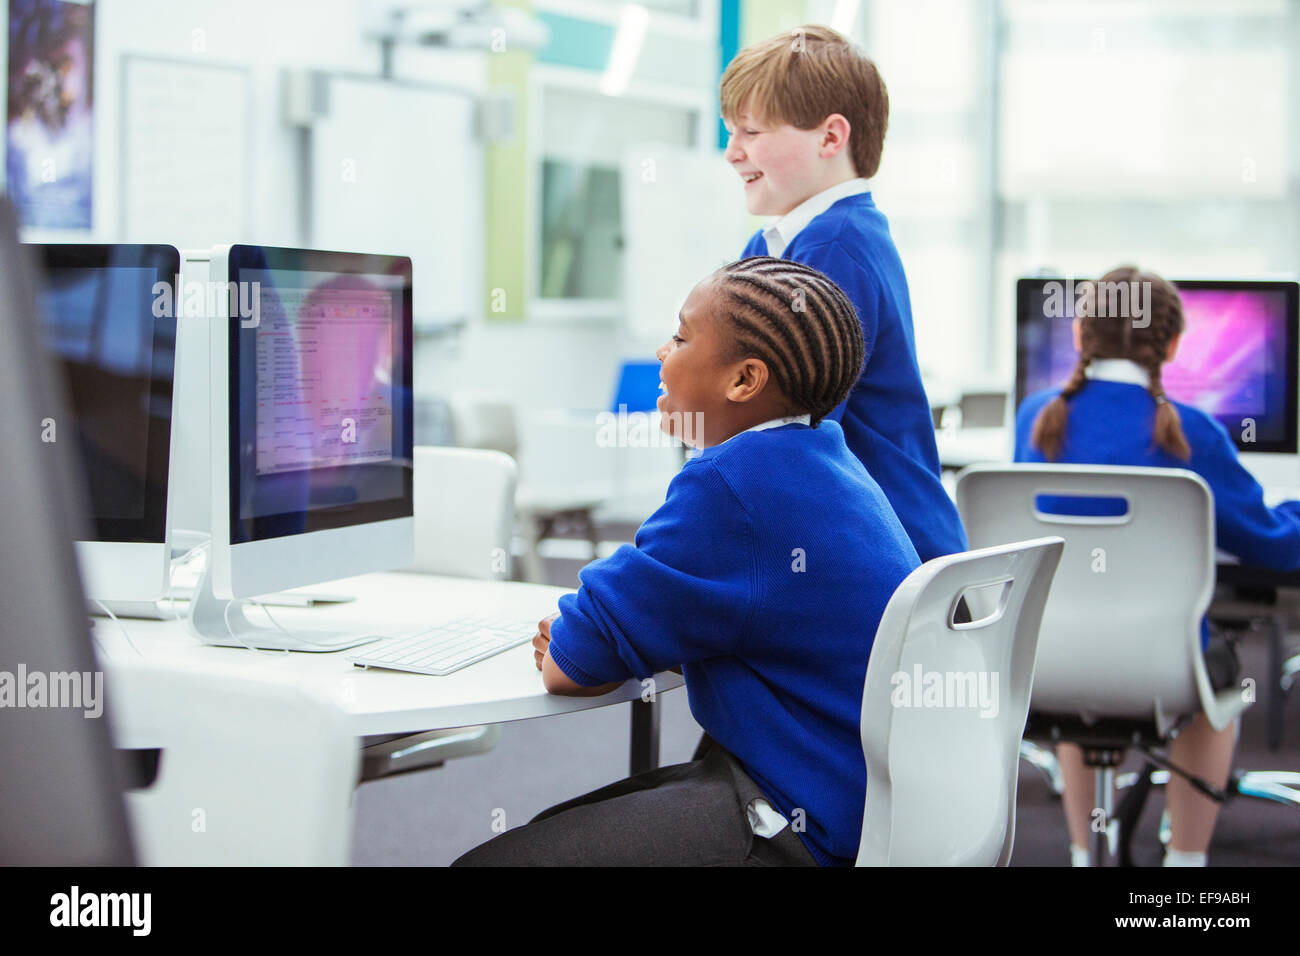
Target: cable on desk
[[125, 633], [181, 562]]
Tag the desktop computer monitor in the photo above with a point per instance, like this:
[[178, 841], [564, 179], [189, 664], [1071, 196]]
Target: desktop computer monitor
[[1237, 360], [103, 319], [312, 426]]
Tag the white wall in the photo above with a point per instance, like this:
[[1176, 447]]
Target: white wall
[[539, 366]]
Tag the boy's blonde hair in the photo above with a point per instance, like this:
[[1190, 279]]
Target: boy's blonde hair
[[801, 77]]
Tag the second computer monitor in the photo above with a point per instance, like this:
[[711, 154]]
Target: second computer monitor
[[312, 425], [108, 321], [1237, 360]]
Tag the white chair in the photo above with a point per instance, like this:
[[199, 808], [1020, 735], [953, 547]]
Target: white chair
[[942, 758], [1119, 660], [464, 520], [464, 512], [200, 810], [483, 420]]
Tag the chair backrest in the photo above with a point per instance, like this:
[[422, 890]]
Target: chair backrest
[[1121, 635], [201, 810], [480, 420], [60, 789], [944, 707], [464, 512]]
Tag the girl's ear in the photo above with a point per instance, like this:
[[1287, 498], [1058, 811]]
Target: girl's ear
[[1172, 348], [748, 379], [1076, 330]]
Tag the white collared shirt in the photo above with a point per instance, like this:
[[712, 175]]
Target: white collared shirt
[[805, 419], [1119, 370], [779, 233]]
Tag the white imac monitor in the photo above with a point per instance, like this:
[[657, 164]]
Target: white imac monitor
[[115, 338], [312, 431]]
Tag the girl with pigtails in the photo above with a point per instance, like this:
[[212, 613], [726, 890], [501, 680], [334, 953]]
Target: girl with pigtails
[[1114, 411]]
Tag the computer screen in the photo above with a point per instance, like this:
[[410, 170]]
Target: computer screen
[[321, 408], [117, 351], [1237, 359]]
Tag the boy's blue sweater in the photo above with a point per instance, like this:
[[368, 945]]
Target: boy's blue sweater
[[1112, 423], [764, 574], [886, 419]]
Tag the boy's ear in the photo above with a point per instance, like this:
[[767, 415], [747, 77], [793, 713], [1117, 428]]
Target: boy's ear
[[748, 379], [835, 135]]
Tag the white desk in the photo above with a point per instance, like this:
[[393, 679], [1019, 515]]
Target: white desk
[[502, 688]]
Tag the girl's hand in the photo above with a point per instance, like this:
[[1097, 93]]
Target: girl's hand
[[543, 639]]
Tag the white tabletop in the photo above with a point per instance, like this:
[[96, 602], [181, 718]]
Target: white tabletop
[[502, 688]]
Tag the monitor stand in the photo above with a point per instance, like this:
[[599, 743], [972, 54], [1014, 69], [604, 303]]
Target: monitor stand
[[221, 622]]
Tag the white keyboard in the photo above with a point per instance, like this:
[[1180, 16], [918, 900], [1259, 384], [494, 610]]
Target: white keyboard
[[448, 647]]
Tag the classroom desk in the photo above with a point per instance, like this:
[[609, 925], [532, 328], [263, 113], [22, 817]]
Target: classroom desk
[[503, 688]]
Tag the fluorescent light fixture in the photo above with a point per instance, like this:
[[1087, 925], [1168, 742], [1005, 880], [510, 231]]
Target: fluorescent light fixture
[[626, 50], [845, 15]]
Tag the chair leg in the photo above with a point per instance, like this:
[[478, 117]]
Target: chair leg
[[1276, 693], [1103, 795], [1130, 809], [1278, 786]]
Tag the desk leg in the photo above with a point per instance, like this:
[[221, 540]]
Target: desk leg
[[1273, 707], [645, 736]]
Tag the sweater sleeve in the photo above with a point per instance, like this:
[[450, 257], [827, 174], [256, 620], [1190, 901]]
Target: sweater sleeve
[[1245, 526], [684, 592]]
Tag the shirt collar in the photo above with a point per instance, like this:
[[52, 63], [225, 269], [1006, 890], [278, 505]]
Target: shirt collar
[[1119, 370], [773, 423], [779, 233]]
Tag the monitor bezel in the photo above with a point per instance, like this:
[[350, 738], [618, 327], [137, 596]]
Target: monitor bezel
[[283, 525], [1290, 445], [165, 260]]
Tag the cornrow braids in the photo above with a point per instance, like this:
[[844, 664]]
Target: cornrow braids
[[800, 324], [1106, 335]]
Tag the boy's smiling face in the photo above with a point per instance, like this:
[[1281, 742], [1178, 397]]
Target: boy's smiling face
[[782, 165], [709, 396]]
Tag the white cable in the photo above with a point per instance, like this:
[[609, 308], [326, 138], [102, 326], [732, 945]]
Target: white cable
[[225, 616], [125, 633], [270, 617], [178, 563]]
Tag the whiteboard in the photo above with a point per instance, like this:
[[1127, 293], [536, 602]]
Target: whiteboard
[[683, 216], [396, 169], [186, 152]]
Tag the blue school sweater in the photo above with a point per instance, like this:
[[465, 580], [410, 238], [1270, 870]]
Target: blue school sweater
[[886, 419], [764, 574], [1112, 423]]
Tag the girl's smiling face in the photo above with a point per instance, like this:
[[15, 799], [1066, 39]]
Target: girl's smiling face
[[708, 394]]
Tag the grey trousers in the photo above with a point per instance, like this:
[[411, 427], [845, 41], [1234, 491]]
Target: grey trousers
[[690, 814]]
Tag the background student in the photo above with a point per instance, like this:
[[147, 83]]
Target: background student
[[807, 113], [1114, 411], [763, 576]]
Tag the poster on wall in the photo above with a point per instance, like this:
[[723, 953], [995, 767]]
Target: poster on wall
[[49, 128]]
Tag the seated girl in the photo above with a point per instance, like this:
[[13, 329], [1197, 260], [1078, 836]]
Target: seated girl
[[1114, 411], [762, 577]]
